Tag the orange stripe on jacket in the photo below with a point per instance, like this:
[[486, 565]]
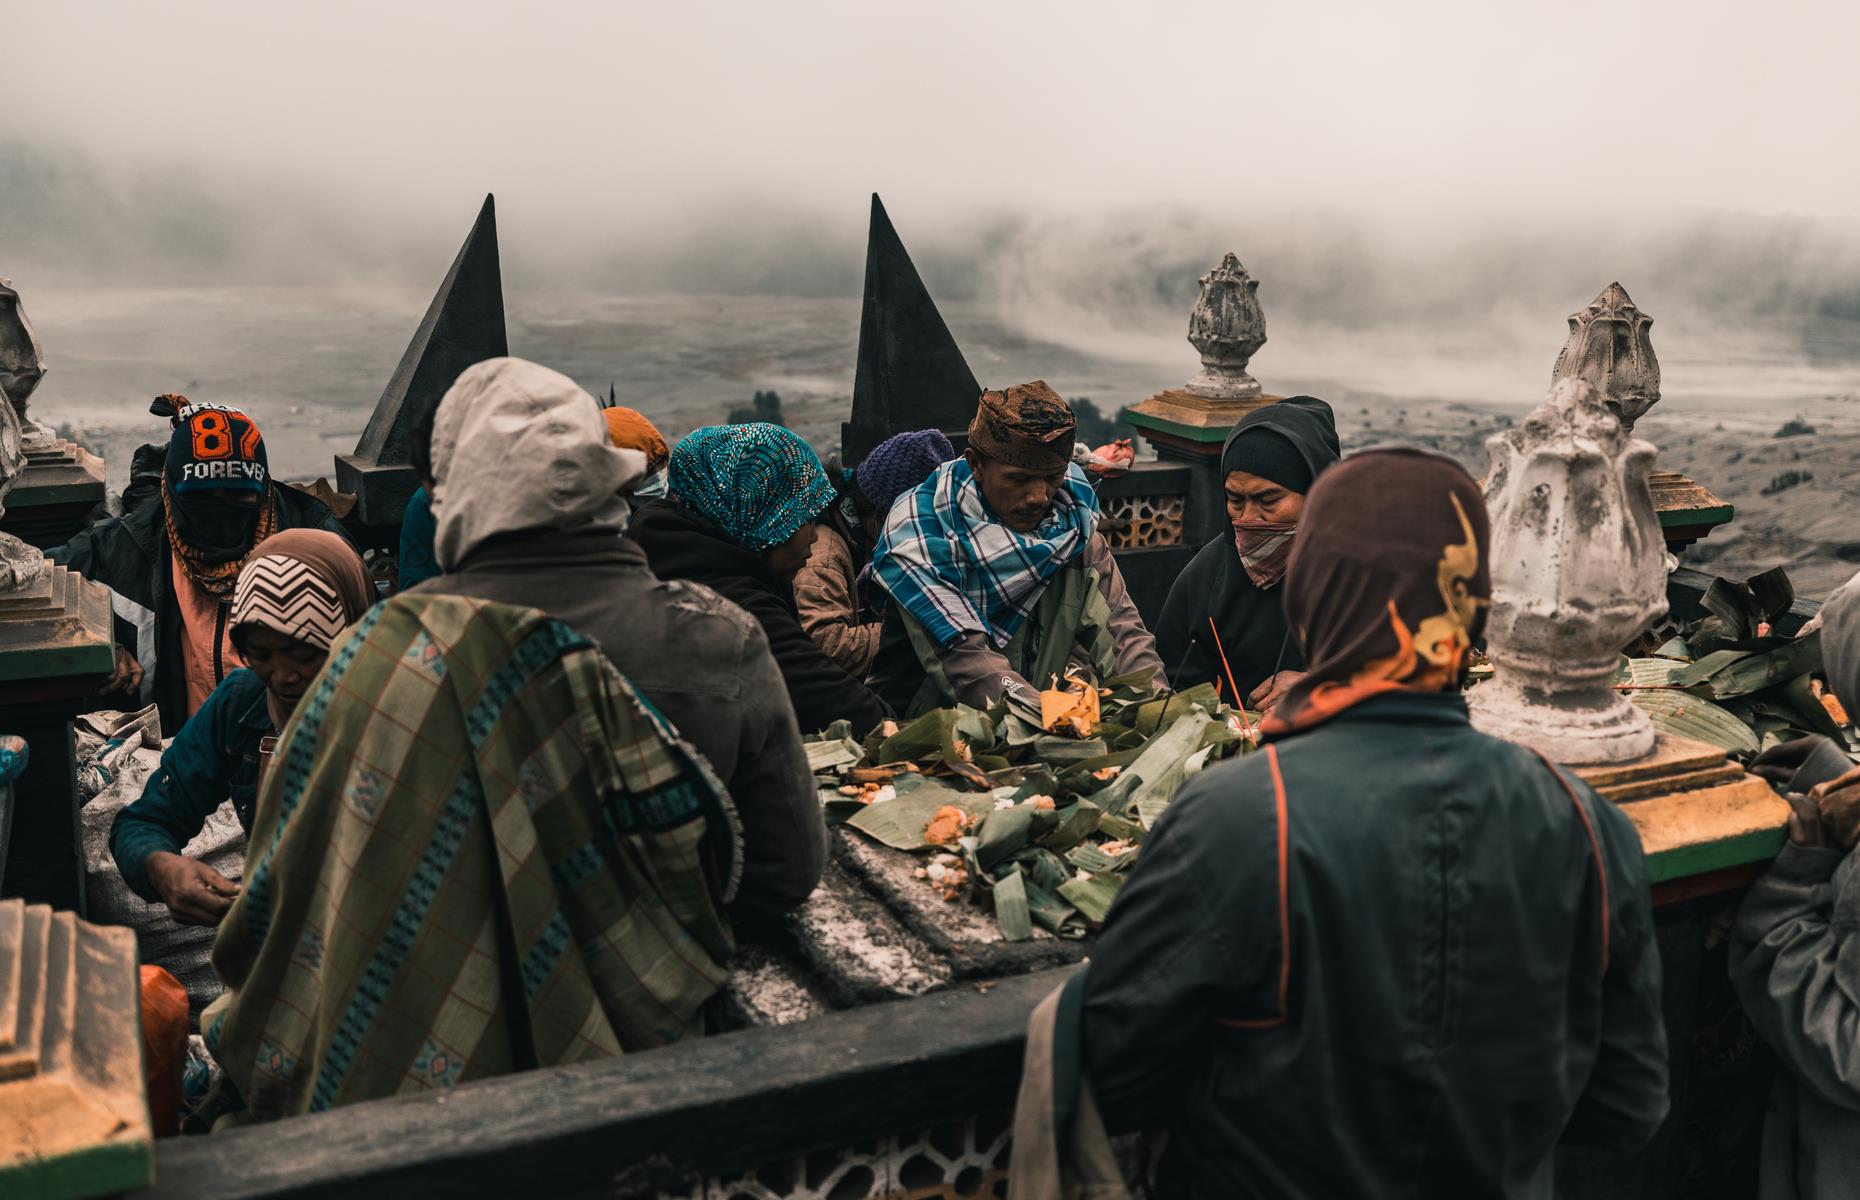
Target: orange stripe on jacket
[[1595, 847], [1285, 908]]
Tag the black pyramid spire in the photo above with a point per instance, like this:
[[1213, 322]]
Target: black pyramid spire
[[911, 374], [463, 325]]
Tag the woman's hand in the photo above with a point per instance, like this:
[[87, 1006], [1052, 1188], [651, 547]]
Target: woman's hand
[[195, 893]]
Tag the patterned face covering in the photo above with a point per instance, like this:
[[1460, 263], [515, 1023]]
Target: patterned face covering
[[1265, 549]]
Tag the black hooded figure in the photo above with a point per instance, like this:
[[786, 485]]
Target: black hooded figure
[[1217, 619]]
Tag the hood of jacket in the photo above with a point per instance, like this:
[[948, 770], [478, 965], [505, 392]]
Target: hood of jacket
[[1304, 421], [517, 446]]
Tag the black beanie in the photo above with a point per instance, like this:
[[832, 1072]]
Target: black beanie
[[1269, 454]]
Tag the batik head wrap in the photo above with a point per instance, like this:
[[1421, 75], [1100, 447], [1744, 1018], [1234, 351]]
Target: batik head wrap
[[757, 482], [900, 463], [1389, 582], [213, 450], [1027, 426], [518, 447], [630, 430], [307, 584]]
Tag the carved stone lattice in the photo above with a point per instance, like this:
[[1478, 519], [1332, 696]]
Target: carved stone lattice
[[1141, 522], [1228, 327], [1610, 348], [958, 1161]]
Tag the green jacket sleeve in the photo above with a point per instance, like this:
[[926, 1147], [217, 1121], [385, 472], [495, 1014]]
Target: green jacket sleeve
[[1795, 960]]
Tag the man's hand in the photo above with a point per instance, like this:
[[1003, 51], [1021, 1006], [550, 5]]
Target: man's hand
[[1267, 695], [1805, 820], [1839, 803], [195, 893], [1779, 764], [126, 677]]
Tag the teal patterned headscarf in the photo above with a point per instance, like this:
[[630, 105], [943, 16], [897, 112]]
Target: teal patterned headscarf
[[758, 483]]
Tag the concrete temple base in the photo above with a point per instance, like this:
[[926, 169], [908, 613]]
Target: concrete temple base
[[55, 650], [1574, 728], [62, 484]]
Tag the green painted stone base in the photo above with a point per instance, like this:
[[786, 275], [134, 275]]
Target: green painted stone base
[[59, 628], [107, 1170], [1193, 433], [1688, 517], [1683, 862]]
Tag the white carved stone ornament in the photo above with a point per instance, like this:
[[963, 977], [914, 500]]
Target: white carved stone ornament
[[1611, 348], [20, 565], [22, 364], [1228, 327], [1578, 571]]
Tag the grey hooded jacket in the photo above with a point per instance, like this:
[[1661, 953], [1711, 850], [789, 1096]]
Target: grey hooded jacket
[[1795, 960]]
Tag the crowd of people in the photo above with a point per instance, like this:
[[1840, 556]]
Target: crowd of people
[[517, 812]]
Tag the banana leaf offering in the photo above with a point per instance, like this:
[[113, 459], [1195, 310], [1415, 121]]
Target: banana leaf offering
[[1729, 680], [1038, 815]]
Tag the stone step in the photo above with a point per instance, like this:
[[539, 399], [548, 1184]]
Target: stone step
[[12, 933], [22, 1060], [60, 1010], [78, 1124]]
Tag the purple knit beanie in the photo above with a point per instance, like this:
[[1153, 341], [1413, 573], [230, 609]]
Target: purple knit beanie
[[900, 463]]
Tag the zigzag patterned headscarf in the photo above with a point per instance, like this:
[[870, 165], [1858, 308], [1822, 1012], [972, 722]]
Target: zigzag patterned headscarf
[[303, 583]]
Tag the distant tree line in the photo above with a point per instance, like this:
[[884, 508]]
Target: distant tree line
[[764, 407]]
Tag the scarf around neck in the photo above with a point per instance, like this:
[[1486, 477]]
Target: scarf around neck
[[205, 535], [1265, 547], [950, 563]]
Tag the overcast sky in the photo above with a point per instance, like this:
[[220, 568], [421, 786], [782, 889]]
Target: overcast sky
[[610, 116]]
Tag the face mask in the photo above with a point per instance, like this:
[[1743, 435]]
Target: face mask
[[217, 530], [1265, 549]]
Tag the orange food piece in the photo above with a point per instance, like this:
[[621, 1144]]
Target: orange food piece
[[947, 825], [1071, 707]]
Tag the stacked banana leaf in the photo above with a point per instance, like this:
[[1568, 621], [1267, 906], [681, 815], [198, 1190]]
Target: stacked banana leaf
[[1044, 826], [1728, 681]]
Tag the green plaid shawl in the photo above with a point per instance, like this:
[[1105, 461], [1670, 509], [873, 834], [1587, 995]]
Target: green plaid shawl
[[480, 851]]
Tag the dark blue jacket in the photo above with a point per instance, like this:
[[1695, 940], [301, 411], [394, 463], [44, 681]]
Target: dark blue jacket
[[213, 757], [418, 529]]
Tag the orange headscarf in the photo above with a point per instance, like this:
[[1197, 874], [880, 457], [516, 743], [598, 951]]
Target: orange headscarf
[[630, 430]]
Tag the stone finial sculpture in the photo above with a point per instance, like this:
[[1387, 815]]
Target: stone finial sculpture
[[1578, 571], [20, 564], [1610, 347], [22, 362], [1228, 327]]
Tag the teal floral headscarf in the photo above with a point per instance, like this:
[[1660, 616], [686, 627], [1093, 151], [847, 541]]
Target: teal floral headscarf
[[757, 482]]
